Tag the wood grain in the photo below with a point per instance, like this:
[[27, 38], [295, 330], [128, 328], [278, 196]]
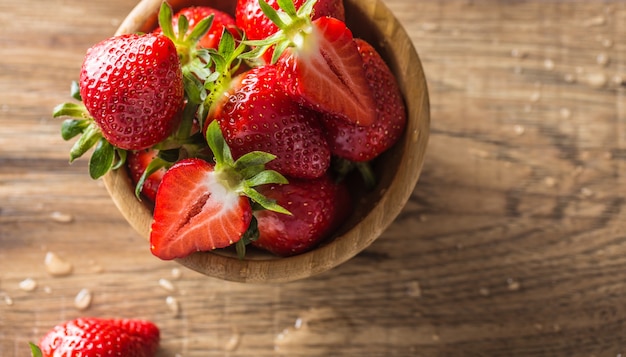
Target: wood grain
[[512, 244]]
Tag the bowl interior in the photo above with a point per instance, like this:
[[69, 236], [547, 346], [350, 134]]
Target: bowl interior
[[397, 170]]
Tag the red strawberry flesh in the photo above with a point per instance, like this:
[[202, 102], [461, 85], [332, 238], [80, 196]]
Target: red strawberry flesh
[[196, 211], [326, 73], [360, 143]]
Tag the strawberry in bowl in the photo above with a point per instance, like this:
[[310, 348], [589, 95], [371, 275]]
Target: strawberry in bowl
[[258, 179]]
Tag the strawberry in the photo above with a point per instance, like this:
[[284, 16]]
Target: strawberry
[[201, 206], [364, 143], [318, 63], [250, 17], [133, 95], [133, 88], [195, 14], [317, 208], [91, 336], [258, 115], [138, 164]]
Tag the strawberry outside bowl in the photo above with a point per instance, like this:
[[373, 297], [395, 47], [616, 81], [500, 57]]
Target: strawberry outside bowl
[[397, 170]]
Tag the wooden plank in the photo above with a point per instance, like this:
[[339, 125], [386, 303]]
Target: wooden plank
[[512, 244]]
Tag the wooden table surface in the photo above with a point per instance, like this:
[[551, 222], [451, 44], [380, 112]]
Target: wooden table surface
[[512, 244]]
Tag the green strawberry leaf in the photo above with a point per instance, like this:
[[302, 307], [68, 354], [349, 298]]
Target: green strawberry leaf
[[165, 20], [90, 137], [73, 127], [272, 14], [200, 29], [73, 110], [293, 26], [343, 167], [170, 155], [186, 45], [221, 151], [194, 89], [257, 175], [280, 48], [35, 350], [183, 27], [227, 44], [226, 60], [266, 177], [253, 158], [250, 235], [306, 10], [263, 201], [102, 159], [154, 166], [121, 154], [368, 175], [75, 91], [251, 171], [287, 6]]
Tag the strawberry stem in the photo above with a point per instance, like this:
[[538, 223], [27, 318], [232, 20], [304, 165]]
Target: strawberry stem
[[102, 159], [249, 236], [226, 61], [90, 136], [294, 27], [247, 172], [185, 44], [343, 167]]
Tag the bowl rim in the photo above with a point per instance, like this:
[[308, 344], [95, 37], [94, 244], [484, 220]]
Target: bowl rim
[[345, 246]]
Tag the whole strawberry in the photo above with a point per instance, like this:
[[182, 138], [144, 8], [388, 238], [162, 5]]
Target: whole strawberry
[[260, 116], [194, 14], [132, 95], [364, 143], [91, 337], [146, 170], [318, 207], [132, 86]]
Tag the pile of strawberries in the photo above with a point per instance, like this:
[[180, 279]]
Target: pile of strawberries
[[233, 127]]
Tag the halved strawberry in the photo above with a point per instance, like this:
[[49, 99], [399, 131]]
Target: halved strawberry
[[202, 206], [318, 207], [364, 143], [250, 17], [196, 210], [258, 115], [318, 62]]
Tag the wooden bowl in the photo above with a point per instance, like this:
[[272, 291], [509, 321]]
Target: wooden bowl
[[397, 170]]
